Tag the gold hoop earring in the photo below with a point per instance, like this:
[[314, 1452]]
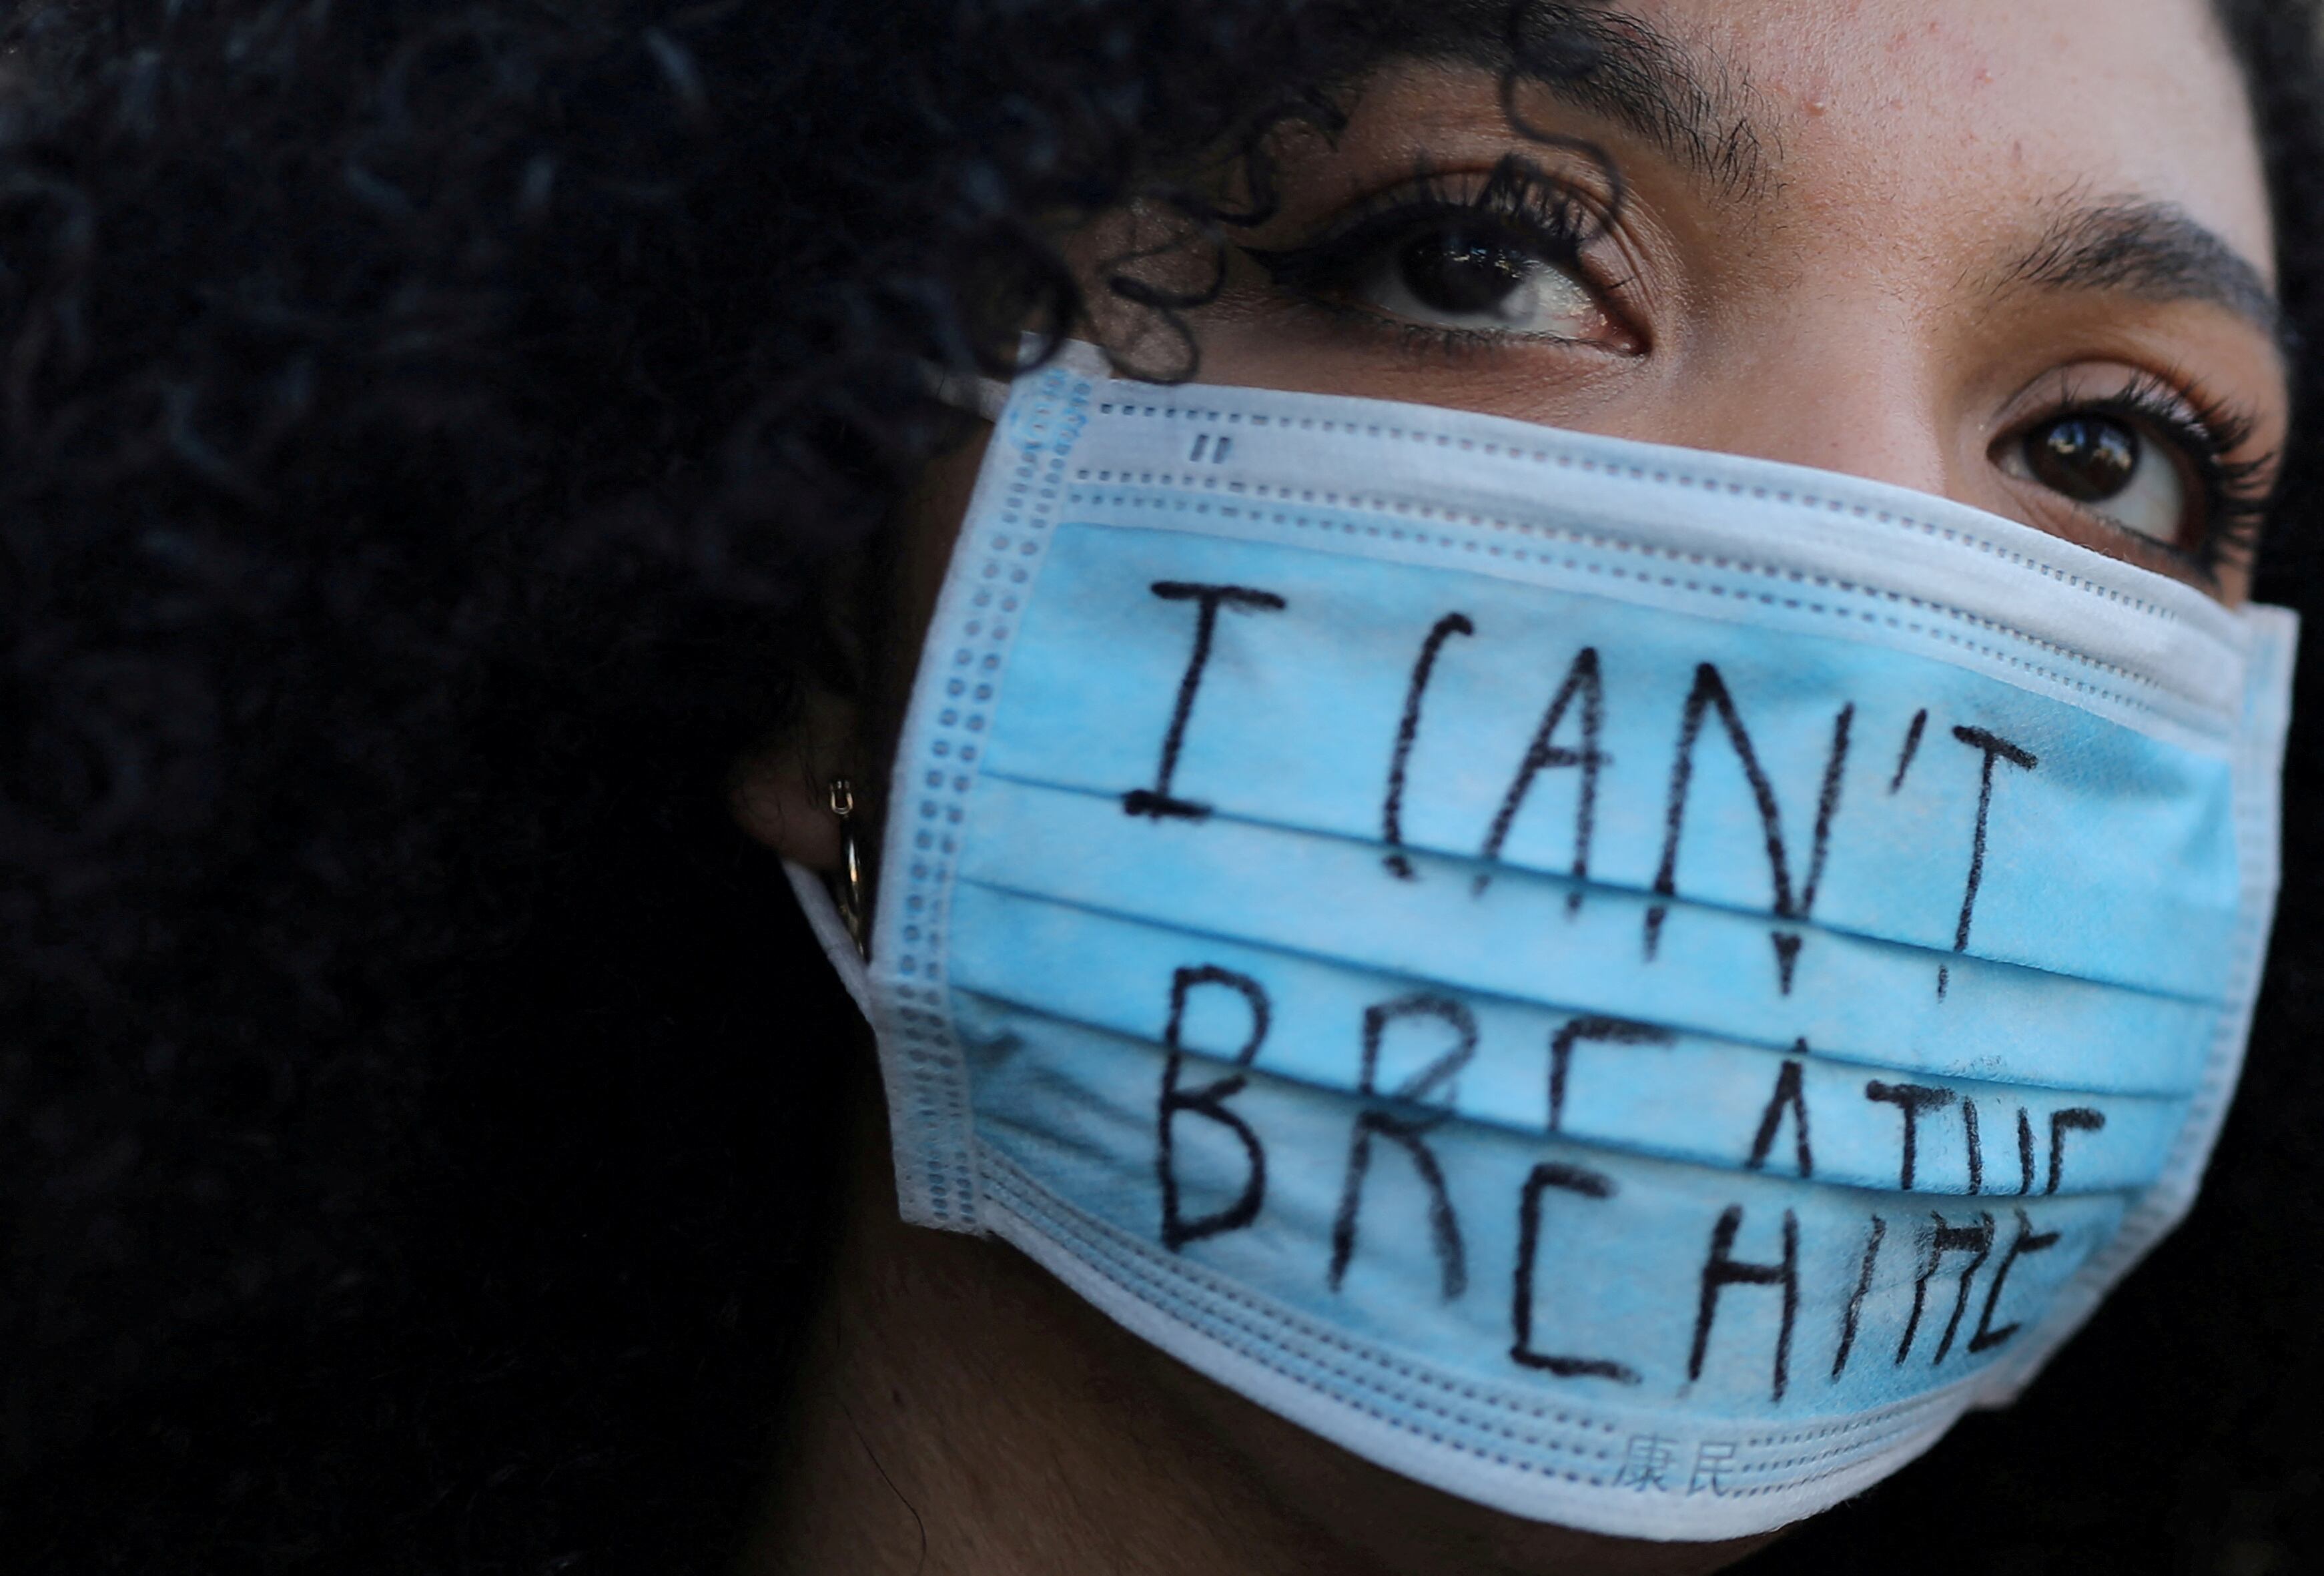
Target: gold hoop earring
[[841, 797]]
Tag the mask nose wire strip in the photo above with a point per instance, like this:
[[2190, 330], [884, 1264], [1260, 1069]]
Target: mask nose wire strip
[[831, 931]]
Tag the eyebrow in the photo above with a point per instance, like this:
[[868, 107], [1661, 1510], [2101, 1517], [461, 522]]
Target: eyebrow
[[1692, 106], [2154, 251], [1695, 107]]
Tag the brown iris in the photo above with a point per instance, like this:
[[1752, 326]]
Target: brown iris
[[1461, 271], [2089, 458]]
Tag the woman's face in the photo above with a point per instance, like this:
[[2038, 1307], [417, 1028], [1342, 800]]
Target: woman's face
[[2016, 253]]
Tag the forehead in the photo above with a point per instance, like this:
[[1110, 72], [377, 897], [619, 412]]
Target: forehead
[[1869, 112]]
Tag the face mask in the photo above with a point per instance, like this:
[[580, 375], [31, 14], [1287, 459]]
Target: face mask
[[1630, 985]]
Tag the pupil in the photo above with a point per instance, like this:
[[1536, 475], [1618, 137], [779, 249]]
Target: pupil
[[1460, 270], [2089, 458]]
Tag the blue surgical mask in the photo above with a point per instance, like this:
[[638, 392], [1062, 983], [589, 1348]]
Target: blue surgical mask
[[1630, 985]]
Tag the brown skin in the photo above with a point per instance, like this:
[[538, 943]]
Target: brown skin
[[1854, 297]]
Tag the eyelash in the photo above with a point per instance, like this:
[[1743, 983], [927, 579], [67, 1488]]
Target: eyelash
[[1555, 221], [1550, 218], [2236, 495]]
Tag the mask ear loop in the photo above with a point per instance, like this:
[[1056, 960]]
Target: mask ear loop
[[838, 920], [838, 923]]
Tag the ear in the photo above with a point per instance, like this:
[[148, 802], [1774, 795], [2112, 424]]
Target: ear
[[781, 795]]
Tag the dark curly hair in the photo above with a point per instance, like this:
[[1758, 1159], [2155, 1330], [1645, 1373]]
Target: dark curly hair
[[430, 436]]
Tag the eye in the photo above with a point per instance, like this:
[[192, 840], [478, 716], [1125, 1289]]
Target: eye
[[2105, 464], [1473, 256], [1458, 273]]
